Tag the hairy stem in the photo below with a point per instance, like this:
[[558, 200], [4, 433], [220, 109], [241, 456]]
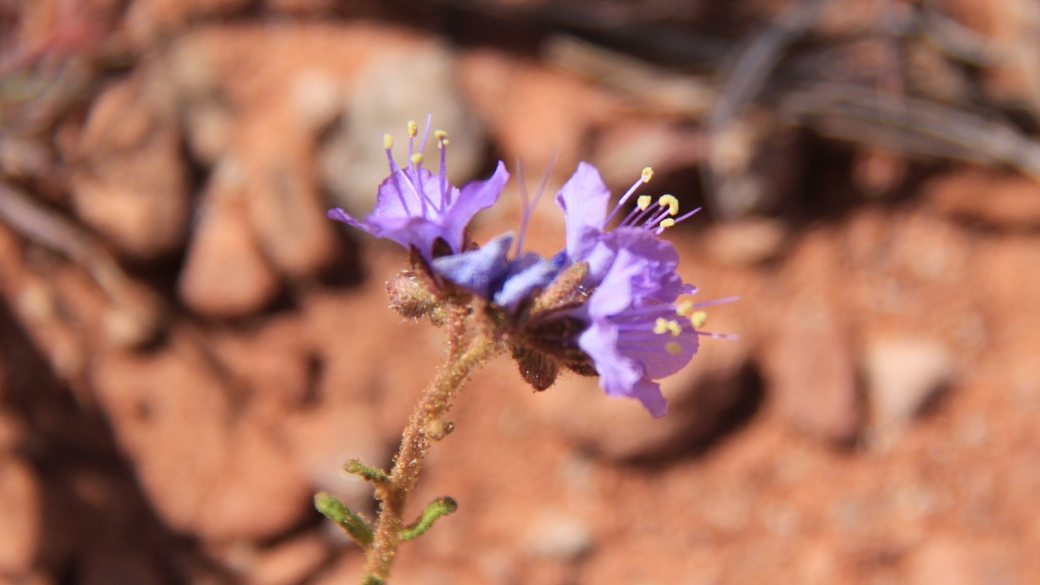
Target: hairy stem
[[461, 361]]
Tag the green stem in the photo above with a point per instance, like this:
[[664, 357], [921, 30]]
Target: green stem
[[462, 360]]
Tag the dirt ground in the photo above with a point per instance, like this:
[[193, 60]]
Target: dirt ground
[[189, 349]]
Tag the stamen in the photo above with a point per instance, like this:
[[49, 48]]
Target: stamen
[[654, 220], [663, 326], [426, 132], [647, 173], [413, 128], [717, 302], [698, 319], [666, 223], [442, 144], [684, 308], [671, 202], [528, 204], [718, 335], [394, 170], [684, 217], [416, 158], [673, 348], [636, 216], [643, 202]]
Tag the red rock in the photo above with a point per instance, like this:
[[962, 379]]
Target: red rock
[[992, 197], [206, 469], [133, 184], [808, 361], [289, 562], [955, 561], [21, 529], [622, 429], [225, 274], [534, 112], [285, 208]]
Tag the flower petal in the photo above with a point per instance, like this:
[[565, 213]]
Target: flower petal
[[475, 196], [649, 393], [477, 270], [584, 199], [527, 273]]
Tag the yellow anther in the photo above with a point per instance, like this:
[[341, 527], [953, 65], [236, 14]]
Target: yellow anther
[[416, 158], [643, 202], [413, 128], [388, 141], [699, 319], [440, 134], [667, 222], [648, 174], [661, 326], [670, 202], [444, 142], [684, 308], [673, 348]]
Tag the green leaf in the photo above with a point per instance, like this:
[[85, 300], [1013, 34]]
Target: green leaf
[[338, 512], [436, 509], [372, 474]]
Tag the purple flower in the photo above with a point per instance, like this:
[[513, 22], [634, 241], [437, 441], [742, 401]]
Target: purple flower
[[491, 274], [637, 333], [633, 337], [415, 207], [488, 272], [584, 199]]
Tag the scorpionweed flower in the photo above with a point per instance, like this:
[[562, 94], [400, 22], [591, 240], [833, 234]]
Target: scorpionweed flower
[[636, 332], [491, 274], [416, 208]]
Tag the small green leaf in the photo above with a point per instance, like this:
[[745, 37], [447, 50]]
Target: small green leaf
[[338, 512], [372, 474], [436, 509]]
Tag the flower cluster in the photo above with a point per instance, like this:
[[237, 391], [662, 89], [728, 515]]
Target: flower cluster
[[606, 305]]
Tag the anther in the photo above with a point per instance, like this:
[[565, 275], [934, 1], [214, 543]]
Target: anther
[[643, 202], [388, 141], [661, 326], [413, 128], [416, 158], [670, 202], [667, 222], [440, 135], [673, 348], [698, 319], [684, 307], [648, 174]]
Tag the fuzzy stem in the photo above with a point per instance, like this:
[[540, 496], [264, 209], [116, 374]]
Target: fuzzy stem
[[461, 361]]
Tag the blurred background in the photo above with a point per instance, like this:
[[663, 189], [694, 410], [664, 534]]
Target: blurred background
[[189, 349]]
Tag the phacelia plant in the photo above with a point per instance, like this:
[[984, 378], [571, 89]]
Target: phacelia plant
[[610, 304]]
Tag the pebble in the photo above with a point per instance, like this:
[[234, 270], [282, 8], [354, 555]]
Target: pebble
[[20, 505], [746, 242], [902, 375], [561, 537]]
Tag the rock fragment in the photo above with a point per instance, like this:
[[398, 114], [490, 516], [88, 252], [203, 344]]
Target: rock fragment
[[132, 184], [20, 503], [225, 273], [903, 375]]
